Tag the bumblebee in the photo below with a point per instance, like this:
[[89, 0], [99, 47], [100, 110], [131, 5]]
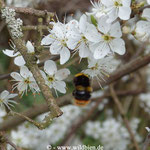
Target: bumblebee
[[83, 89]]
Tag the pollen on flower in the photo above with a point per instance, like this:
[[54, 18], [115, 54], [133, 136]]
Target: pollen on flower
[[27, 81], [117, 4], [106, 37], [50, 78]]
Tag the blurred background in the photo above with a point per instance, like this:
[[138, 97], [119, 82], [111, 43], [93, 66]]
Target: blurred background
[[99, 123]]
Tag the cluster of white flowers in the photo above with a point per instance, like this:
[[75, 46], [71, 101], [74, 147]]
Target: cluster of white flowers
[[96, 36], [13, 23], [86, 38], [5, 99], [55, 132], [111, 132], [113, 9]]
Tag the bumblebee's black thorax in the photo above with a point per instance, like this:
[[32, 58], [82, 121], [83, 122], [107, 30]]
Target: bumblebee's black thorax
[[82, 80], [83, 88]]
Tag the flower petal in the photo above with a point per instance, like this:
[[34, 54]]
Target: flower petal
[[30, 47], [126, 3], [115, 30], [72, 43], [59, 30], [12, 96], [16, 76], [4, 94], [118, 46], [22, 87], [43, 74], [101, 51], [84, 50], [103, 26], [62, 74], [19, 61], [91, 33], [60, 86], [50, 67], [55, 47], [10, 53], [107, 3], [146, 13], [113, 15], [34, 87], [124, 13], [47, 40], [82, 23], [24, 72], [64, 55]]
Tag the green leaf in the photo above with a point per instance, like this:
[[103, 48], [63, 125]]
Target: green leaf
[[93, 20]]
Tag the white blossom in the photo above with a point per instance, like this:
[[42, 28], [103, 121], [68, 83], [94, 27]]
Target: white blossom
[[57, 40], [108, 40], [24, 80], [142, 31], [18, 60], [101, 68], [99, 9], [6, 99], [117, 8], [77, 36], [53, 77]]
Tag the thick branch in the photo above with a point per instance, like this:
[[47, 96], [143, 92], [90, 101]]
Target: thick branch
[[128, 68], [34, 12]]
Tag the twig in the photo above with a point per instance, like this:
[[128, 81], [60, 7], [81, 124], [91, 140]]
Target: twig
[[31, 27], [34, 12], [146, 142], [12, 144], [123, 115], [128, 68], [5, 140]]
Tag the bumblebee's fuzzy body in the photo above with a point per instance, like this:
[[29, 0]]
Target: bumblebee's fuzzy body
[[82, 92]]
